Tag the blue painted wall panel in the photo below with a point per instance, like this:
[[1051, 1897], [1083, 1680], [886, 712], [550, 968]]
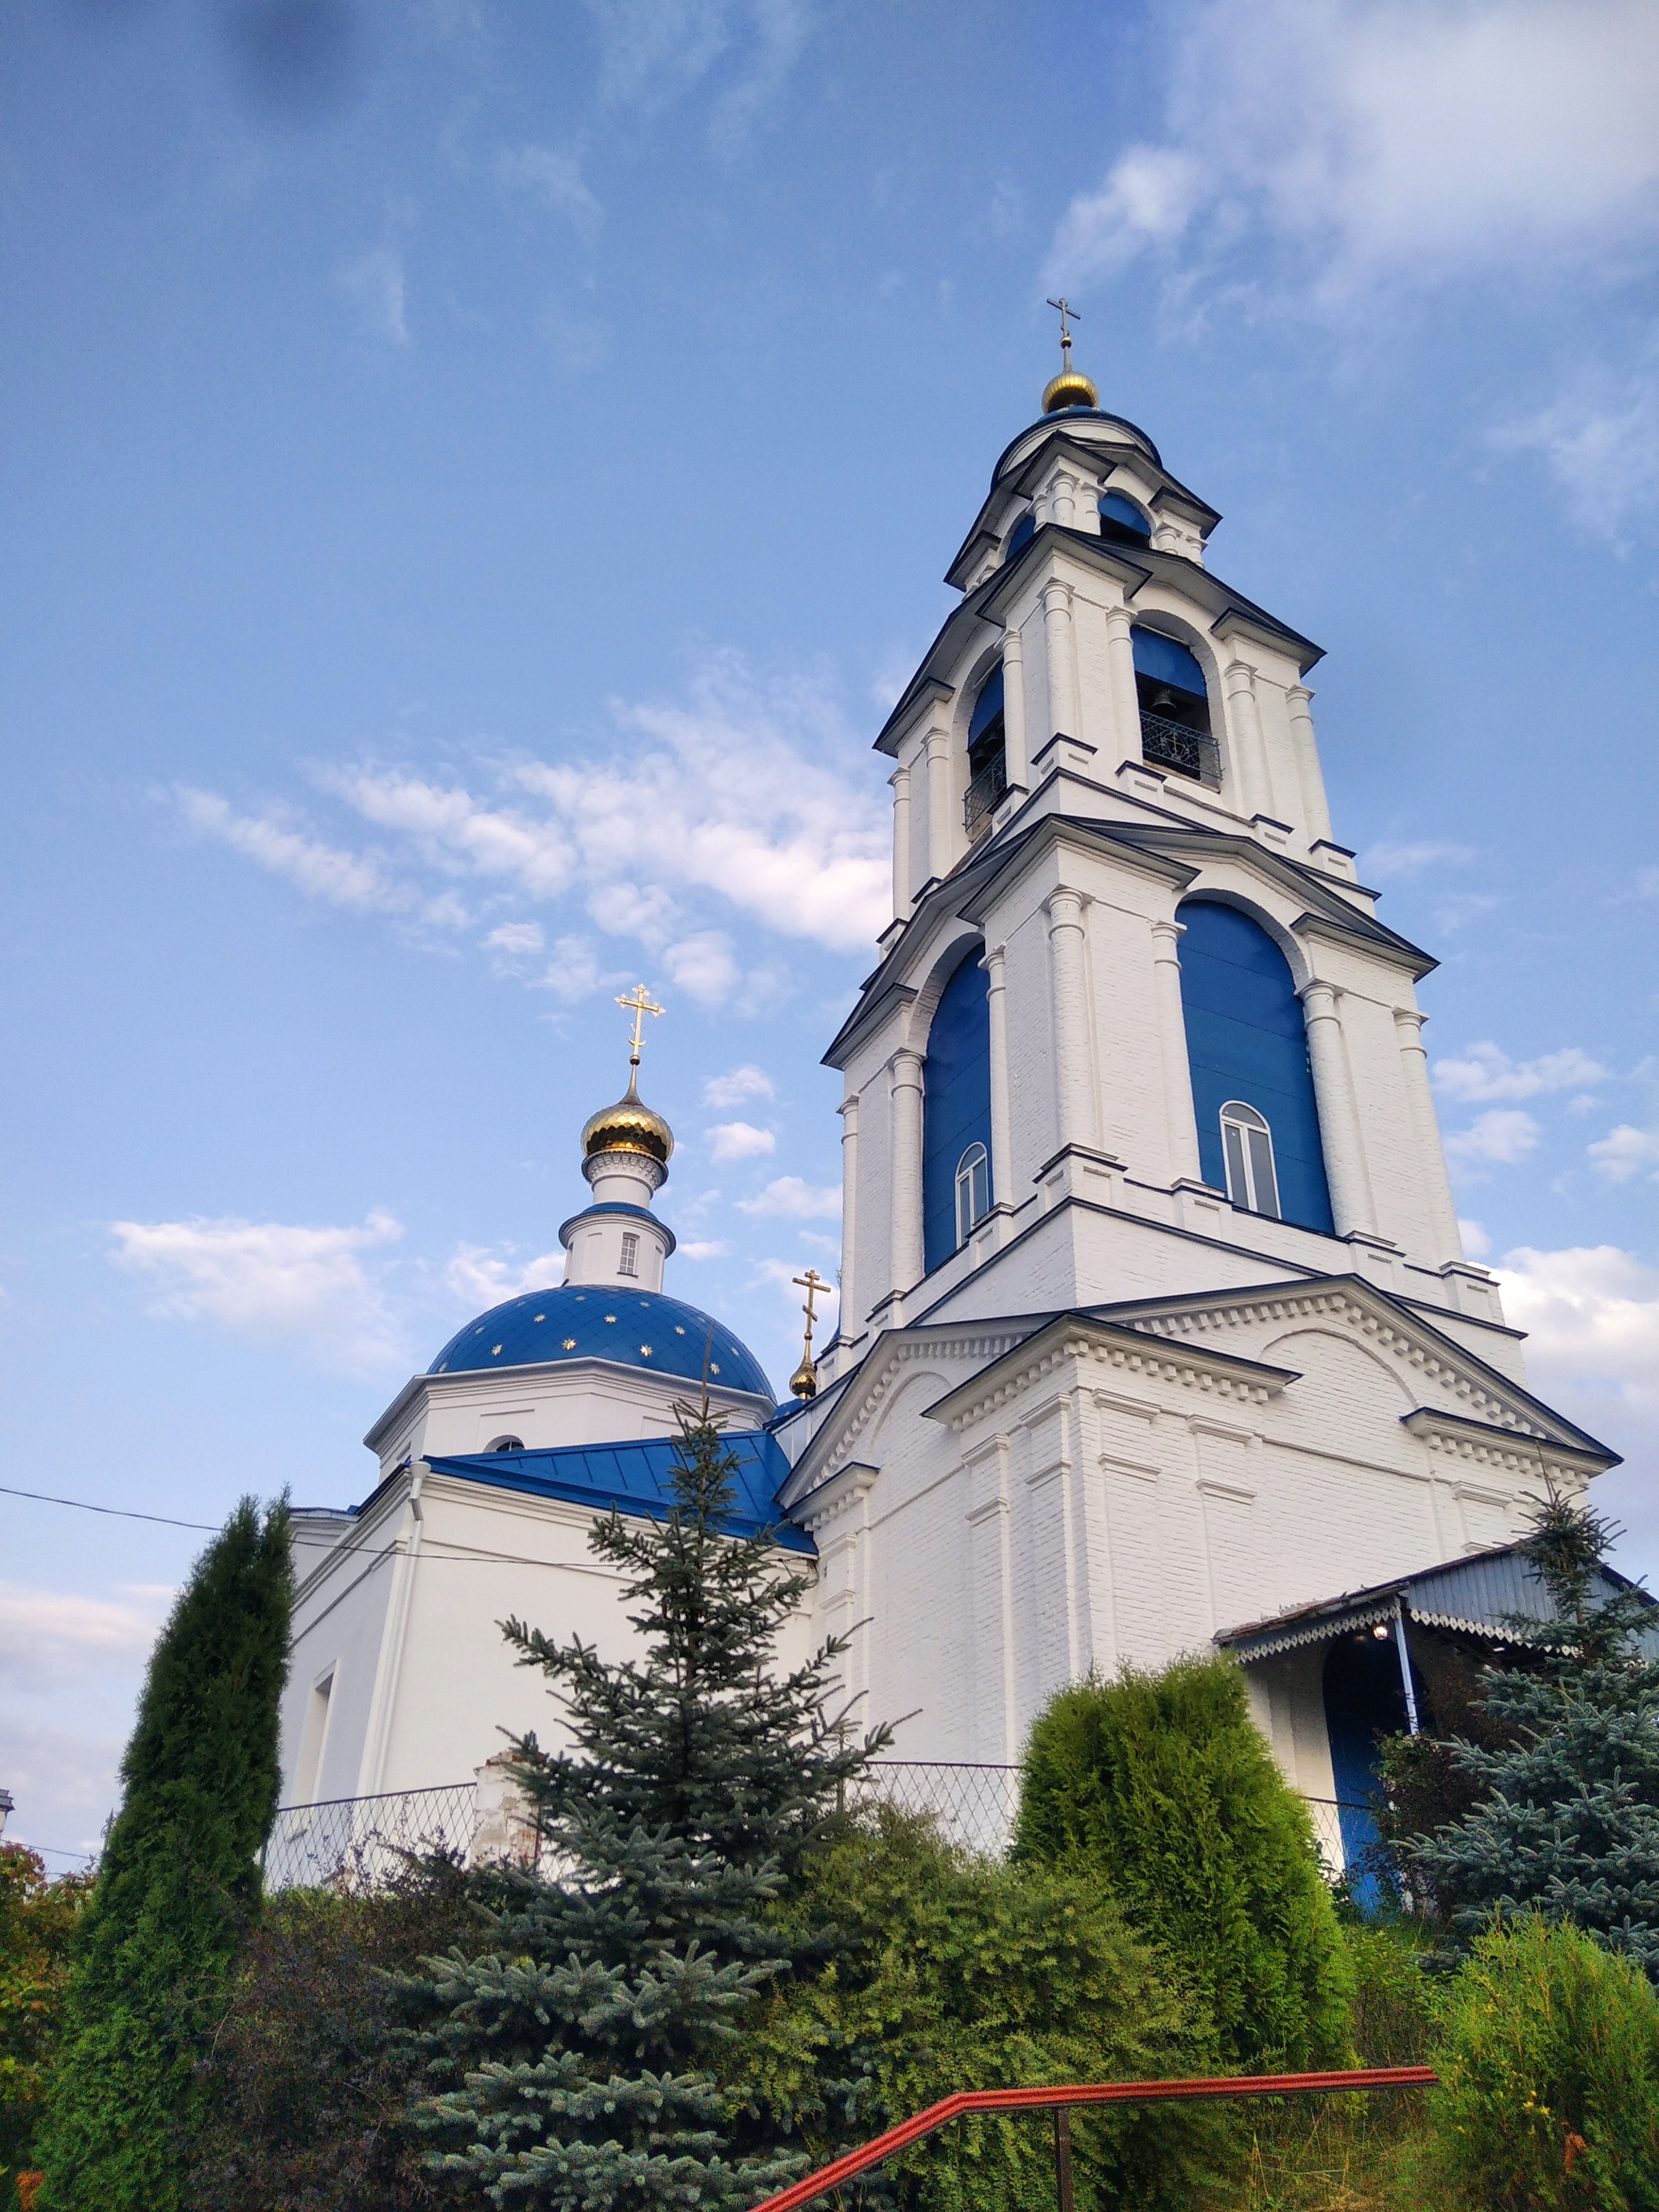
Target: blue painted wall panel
[[957, 1101], [1246, 1039]]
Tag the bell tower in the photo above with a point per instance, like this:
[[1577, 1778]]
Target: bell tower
[[1136, 1028]]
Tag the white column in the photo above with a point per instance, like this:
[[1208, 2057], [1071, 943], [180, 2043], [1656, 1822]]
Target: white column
[[1125, 700], [852, 1307], [388, 1673], [1063, 500], [1074, 1073], [1178, 1115], [1316, 814], [1339, 1119], [1016, 760], [1250, 757], [995, 964], [1430, 1152], [940, 844], [907, 1255], [903, 873], [1062, 672]]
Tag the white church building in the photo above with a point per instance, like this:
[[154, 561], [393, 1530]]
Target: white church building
[[1154, 1325]]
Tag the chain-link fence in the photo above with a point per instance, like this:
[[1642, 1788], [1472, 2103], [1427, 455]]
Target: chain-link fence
[[368, 1838]]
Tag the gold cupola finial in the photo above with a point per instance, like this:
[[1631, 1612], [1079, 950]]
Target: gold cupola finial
[[1071, 388], [804, 1383], [631, 1126]]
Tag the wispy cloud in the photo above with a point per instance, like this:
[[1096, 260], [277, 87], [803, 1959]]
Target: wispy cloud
[[320, 870], [1407, 142], [374, 285], [272, 1282], [1502, 1137], [479, 1276], [796, 1201], [554, 178], [1486, 1071], [51, 1638], [1385, 861], [740, 1140], [1600, 442], [1592, 1317], [1625, 1152], [653, 51]]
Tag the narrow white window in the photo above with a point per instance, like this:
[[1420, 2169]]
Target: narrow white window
[[973, 1190], [1249, 1144], [312, 1741], [629, 1262]]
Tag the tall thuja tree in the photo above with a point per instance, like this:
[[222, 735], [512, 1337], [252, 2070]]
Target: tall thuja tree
[[1567, 1823], [585, 2049], [178, 1879]]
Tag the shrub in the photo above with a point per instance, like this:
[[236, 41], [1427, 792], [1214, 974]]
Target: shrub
[[1164, 1782], [306, 2088], [1548, 2057], [1393, 1997], [955, 1972], [37, 1920]]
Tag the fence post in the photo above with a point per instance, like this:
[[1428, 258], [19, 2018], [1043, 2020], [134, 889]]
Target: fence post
[[1063, 2157]]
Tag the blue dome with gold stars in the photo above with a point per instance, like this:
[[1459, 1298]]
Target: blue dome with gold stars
[[595, 1321]]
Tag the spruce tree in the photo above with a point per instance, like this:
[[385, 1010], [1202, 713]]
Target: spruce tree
[[584, 2049], [179, 1877], [1567, 1823]]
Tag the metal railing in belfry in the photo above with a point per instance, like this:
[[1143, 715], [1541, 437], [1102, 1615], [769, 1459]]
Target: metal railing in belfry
[[1170, 744], [982, 794], [371, 1838]]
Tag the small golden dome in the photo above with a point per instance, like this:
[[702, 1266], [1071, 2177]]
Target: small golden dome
[[1071, 388], [804, 1383], [629, 1126]]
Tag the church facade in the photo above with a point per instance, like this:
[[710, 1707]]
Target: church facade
[[1155, 1324]]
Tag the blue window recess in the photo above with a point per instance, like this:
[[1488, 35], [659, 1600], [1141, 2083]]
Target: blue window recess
[[1247, 1045], [1364, 1702], [1166, 660], [1122, 522], [1022, 534], [957, 1103]]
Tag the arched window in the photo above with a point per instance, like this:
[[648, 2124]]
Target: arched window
[[973, 1189], [1022, 534], [505, 1443], [629, 1262], [1247, 1144], [1122, 522], [1175, 707], [987, 775], [1247, 1046], [956, 1103]]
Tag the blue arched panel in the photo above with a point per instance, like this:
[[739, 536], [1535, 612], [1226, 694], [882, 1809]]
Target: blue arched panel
[[1246, 1039], [957, 1101], [987, 706], [1166, 660]]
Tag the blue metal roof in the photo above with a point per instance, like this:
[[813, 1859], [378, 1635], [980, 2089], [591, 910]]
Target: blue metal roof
[[642, 1329], [639, 1478]]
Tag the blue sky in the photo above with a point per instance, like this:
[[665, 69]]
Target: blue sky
[[476, 476]]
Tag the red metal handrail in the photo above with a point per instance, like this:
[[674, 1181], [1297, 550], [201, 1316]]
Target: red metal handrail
[[1098, 2092]]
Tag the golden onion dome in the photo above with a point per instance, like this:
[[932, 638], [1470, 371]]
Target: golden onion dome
[[1071, 388], [629, 1126]]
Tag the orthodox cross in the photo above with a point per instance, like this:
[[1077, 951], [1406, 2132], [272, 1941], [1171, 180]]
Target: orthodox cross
[[638, 1003], [1068, 315], [805, 1381]]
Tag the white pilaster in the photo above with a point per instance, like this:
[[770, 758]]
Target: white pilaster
[[1178, 1117], [1125, 700], [1316, 814], [1430, 1152], [907, 1251], [1339, 1118], [1016, 756], [1061, 659], [1254, 793], [903, 874], [940, 843], [853, 1306], [995, 964], [1074, 1086]]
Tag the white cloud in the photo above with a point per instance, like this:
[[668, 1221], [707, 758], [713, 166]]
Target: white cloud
[[1405, 141], [516, 936], [555, 180], [790, 1196], [1385, 860], [1487, 1072], [1592, 1318], [1600, 443], [705, 1247], [740, 1140], [51, 1638], [737, 1084], [321, 871], [480, 1277], [573, 971], [653, 51], [375, 284], [1476, 1242], [1624, 1153], [271, 1282], [1500, 1138], [702, 965]]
